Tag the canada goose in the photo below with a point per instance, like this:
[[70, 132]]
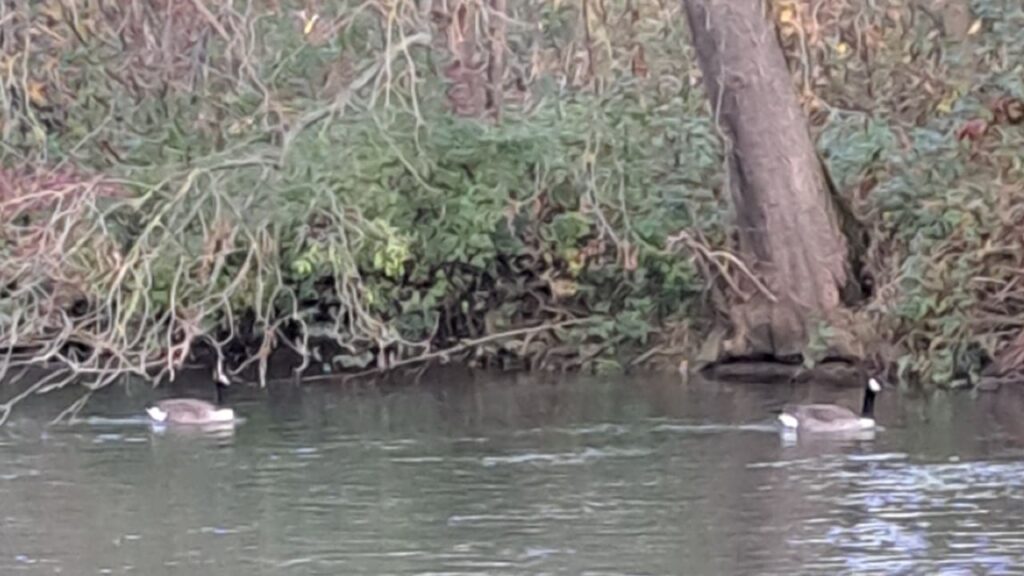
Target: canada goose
[[192, 410], [830, 417], [188, 411]]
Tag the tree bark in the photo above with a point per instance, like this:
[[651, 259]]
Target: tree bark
[[496, 63], [466, 72], [476, 68], [788, 225]]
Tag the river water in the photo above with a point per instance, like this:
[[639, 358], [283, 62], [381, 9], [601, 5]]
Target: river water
[[516, 475]]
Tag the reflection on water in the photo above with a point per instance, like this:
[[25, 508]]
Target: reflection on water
[[517, 476]]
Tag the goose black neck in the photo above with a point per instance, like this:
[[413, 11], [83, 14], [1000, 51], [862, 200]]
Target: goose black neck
[[869, 403], [219, 395]]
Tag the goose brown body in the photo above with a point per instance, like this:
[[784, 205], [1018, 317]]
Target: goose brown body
[[826, 418], [830, 417], [188, 411]]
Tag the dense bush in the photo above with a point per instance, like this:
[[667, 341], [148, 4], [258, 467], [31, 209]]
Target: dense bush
[[241, 205], [180, 175], [927, 144]]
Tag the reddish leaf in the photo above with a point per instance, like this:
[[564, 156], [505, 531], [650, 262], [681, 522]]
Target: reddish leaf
[[973, 130]]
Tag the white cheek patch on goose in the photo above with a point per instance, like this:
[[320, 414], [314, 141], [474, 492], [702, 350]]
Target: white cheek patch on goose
[[789, 421], [156, 413]]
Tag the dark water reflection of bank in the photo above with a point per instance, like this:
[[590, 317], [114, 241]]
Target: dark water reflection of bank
[[515, 475]]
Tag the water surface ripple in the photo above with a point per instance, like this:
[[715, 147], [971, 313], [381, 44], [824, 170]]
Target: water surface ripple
[[515, 476]]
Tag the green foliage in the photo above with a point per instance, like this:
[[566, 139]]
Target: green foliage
[[316, 184], [489, 214], [916, 132]]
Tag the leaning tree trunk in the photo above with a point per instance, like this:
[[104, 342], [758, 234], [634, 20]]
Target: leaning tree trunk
[[787, 221]]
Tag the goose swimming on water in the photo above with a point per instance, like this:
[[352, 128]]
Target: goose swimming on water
[[192, 410], [830, 417], [188, 411]]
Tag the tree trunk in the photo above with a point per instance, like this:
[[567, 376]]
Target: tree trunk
[[496, 63], [476, 68], [467, 87], [787, 222]]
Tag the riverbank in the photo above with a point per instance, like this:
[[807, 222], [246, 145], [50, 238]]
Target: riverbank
[[241, 184]]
